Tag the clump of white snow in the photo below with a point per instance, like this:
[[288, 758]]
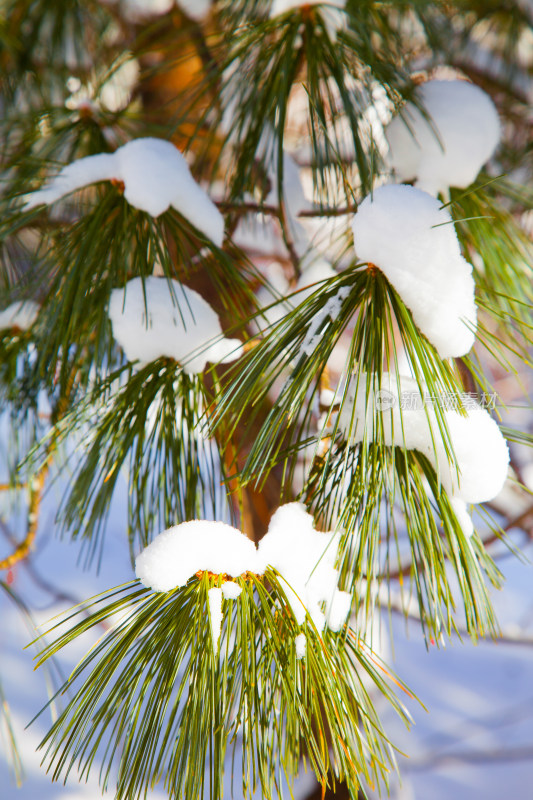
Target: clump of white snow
[[155, 317], [408, 420], [300, 643], [214, 599], [449, 147], [405, 232], [462, 516], [303, 557], [19, 315], [180, 552], [231, 590], [155, 176], [305, 560]]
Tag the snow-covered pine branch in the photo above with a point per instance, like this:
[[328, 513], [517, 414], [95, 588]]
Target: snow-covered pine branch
[[478, 469], [411, 238], [303, 557], [155, 176], [154, 317], [449, 143]]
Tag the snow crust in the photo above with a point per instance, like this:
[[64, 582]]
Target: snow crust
[[155, 176], [155, 317], [481, 453], [405, 232], [304, 558], [19, 315], [450, 147]]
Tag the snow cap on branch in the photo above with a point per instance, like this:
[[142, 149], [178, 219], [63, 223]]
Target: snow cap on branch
[[409, 421], [303, 557], [405, 232], [21, 315], [450, 145], [180, 552], [155, 176], [155, 317]]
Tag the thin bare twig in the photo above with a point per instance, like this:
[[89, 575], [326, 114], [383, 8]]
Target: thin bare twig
[[36, 489], [274, 211]]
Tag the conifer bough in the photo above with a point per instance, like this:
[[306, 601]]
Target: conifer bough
[[236, 658]]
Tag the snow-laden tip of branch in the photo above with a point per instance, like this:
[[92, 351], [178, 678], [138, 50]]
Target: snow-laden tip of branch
[[180, 552], [405, 232], [449, 147], [302, 556], [155, 176], [409, 421], [155, 317], [19, 315]]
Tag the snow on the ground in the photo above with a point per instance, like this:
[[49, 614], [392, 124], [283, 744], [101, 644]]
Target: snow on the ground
[[154, 317], [155, 176], [449, 145], [410, 237]]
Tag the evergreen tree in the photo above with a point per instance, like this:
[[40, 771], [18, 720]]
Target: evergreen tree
[[260, 261]]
